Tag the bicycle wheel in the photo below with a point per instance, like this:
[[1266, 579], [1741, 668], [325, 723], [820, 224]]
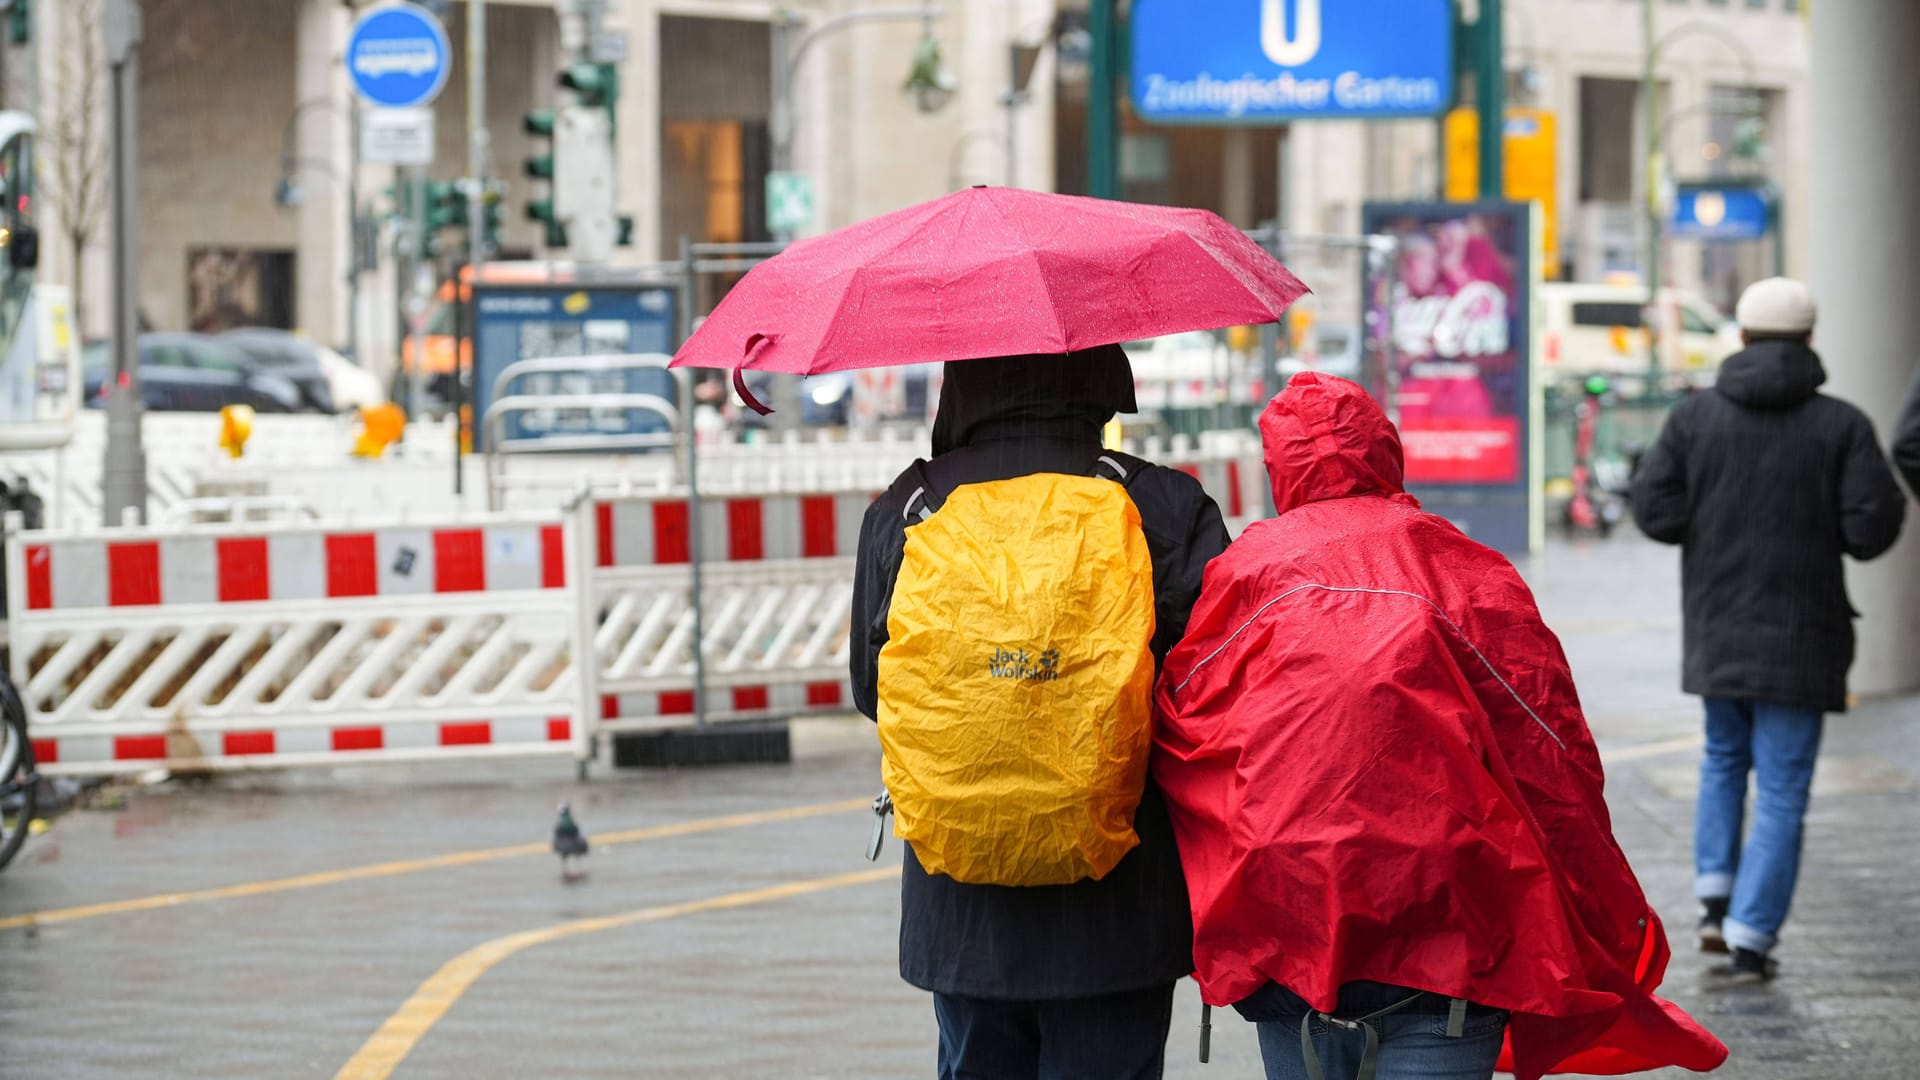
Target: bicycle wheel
[[17, 780]]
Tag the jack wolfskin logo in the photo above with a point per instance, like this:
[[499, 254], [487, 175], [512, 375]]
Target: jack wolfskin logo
[[1018, 664]]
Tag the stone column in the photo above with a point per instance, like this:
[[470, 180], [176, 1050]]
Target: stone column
[[1864, 216], [322, 138]]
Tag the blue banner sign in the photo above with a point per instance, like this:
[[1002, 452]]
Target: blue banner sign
[[521, 322], [1722, 212], [1271, 61]]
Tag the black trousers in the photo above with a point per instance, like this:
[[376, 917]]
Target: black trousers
[[1111, 1037]]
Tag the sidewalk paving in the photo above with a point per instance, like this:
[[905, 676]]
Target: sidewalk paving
[[293, 983]]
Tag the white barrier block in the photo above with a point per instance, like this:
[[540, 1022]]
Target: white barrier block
[[514, 558], [189, 573], [79, 575], [405, 560], [297, 566]]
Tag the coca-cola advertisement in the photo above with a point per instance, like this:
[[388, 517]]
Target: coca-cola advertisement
[[1447, 346]]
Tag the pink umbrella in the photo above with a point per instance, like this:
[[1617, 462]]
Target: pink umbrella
[[990, 272]]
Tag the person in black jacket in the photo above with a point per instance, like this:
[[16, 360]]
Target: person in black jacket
[[1906, 439], [1764, 483], [1045, 981]]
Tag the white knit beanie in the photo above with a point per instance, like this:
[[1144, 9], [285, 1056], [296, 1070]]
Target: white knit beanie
[[1776, 305]]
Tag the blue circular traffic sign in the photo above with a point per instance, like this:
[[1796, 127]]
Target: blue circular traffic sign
[[398, 56]]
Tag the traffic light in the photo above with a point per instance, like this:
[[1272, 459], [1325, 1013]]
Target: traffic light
[[597, 86], [624, 237], [446, 209], [539, 123], [541, 210], [490, 199]]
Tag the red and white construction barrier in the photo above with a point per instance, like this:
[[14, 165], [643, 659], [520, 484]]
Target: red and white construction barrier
[[229, 646], [778, 586], [253, 645]]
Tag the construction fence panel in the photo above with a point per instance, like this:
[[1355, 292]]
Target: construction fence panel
[[242, 646], [777, 590]]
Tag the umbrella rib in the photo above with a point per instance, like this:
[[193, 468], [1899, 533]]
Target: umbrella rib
[[839, 308]]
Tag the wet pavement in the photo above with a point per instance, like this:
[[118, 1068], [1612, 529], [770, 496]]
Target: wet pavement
[[731, 941]]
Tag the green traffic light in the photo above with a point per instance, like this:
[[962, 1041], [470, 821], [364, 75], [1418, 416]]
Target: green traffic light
[[540, 122], [596, 85]]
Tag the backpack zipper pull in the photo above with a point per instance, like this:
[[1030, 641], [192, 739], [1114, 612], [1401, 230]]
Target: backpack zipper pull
[[882, 806]]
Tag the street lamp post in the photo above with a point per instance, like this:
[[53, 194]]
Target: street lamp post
[[288, 194], [124, 477], [790, 49], [1656, 131]]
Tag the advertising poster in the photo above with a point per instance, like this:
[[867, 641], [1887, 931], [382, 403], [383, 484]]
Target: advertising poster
[[1449, 354]]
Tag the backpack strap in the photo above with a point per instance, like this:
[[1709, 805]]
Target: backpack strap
[[1112, 468], [921, 504]]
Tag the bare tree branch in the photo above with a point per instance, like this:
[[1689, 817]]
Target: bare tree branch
[[74, 149]]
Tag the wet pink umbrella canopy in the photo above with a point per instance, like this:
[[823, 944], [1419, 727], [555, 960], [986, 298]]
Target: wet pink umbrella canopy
[[991, 272]]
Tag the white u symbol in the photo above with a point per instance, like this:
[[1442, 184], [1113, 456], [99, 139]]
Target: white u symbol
[[1304, 45]]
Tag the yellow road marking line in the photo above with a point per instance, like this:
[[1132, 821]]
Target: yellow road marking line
[[396, 1038], [414, 866], [1654, 749]]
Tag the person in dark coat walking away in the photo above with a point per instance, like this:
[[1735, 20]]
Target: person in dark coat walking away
[[1906, 439], [1764, 483], [1057, 980]]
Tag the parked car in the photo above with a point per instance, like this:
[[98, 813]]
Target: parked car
[[1595, 329], [195, 373], [328, 382]]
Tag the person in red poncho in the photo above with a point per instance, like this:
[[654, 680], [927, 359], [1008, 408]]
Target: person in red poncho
[[1386, 798]]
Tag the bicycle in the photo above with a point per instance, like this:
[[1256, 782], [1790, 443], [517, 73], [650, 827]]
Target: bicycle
[[18, 782]]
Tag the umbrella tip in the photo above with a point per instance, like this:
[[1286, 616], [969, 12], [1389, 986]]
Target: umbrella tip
[[978, 186]]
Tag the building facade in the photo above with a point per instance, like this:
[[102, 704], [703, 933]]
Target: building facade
[[256, 210]]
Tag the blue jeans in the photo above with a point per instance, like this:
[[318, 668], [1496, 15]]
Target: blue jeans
[[1111, 1037], [1414, 1044], [1779, 744]]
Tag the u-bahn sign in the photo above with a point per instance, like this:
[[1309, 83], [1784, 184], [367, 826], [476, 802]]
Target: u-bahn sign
[[1271, 61], [398, 56]]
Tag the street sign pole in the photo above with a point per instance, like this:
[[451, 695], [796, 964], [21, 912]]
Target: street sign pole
[[1103, 107], [398, 60], [1490, 93], [124, 480], [477, 140], [1649, 88]]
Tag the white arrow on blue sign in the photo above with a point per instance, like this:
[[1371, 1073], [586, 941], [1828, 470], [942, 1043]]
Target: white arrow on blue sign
[[398, 56]]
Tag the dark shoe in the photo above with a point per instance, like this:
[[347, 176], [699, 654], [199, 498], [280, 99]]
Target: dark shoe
[[1747, 968], [1713, 912]]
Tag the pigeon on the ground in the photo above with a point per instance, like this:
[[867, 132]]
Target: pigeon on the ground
[[569, 843]]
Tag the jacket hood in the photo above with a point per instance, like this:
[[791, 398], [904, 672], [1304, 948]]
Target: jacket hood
[[1771, 375], [1326, 438], [1038, 396]]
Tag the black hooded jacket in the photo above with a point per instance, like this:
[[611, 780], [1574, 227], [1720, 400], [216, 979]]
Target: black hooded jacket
[[1765, 483], [999, 419], [1906, 439]]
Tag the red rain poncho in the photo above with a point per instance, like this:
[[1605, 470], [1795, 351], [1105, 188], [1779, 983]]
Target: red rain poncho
[[1378, 769]]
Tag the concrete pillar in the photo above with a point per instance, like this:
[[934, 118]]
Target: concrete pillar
[[323, 136], [1864, 208], [1236, 176]]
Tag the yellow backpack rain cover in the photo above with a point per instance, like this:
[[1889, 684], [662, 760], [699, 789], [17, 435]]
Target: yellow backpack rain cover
[[1016, 682]]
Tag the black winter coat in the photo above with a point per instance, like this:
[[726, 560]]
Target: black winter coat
[[1131, 929], [1906, 439], [1765, 483]]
